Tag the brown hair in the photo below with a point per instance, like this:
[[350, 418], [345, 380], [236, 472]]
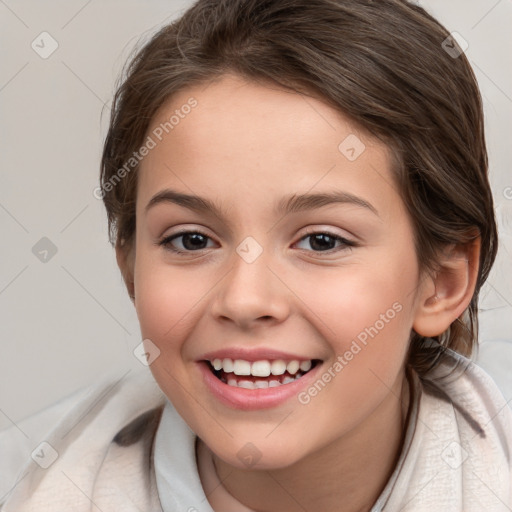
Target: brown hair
[[382, 63]]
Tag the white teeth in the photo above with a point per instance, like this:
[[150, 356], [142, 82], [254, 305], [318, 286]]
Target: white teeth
[[261, 384], [242, 367], [292, 367], [305, 366], [278, 367], [228, 366], [247, 384], [260, 369]]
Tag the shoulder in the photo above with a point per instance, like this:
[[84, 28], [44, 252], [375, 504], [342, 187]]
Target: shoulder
[[457, 448], [115, 408], [18, 441], [473, 394], [472, 425]]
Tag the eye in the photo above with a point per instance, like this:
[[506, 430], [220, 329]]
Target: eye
[[324, 241], [192, 241]]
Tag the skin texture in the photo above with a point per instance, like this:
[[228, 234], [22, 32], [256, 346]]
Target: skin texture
[[245, 146]]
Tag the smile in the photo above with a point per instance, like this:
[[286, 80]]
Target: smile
[[260, 374]]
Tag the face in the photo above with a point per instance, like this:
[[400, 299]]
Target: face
[[269, 276]]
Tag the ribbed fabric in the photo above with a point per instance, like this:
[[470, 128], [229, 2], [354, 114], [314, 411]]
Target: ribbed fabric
[[123, 446]]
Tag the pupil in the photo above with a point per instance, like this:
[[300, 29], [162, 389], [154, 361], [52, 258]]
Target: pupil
[[321, 245], [195, 238]]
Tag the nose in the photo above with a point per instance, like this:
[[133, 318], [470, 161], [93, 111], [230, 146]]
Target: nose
[[251, 294]]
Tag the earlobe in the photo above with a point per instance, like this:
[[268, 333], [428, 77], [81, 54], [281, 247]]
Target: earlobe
[[125, 256], [448, 292]]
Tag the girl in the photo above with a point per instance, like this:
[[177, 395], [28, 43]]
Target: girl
[[298, 197]]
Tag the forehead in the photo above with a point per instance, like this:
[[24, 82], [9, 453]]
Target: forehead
[[251, 143]]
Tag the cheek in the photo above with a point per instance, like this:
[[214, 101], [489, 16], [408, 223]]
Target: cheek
[[346, 301], [168, 304], [366, 313], [168, 300]]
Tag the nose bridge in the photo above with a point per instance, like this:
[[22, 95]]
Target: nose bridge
[[250, 290]]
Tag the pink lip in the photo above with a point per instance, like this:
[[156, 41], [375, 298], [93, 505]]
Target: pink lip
[[254, 399], [256, 354]]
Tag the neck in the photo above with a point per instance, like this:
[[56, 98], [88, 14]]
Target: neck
[[347, 475]]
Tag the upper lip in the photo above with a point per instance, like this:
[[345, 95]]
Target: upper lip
[[255, 354]]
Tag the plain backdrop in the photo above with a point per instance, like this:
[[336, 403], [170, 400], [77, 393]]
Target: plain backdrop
[[66, 318]]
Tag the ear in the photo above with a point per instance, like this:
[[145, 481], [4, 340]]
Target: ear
[[125, 256], [447, 293]]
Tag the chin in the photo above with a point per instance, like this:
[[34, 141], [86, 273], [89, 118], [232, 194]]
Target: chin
[[259, 455]]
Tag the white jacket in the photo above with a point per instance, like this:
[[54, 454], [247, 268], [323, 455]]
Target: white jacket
[[457, 454]]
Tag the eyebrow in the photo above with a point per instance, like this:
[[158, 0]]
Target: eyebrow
[[290, 204]]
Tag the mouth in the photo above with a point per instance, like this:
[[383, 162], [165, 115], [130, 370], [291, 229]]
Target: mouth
[[261, 374]]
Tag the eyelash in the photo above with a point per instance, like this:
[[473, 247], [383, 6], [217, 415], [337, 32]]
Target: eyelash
[[346, 244]]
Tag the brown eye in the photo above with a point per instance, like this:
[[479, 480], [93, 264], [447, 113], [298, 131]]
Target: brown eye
[[324, 241], [191, 241]]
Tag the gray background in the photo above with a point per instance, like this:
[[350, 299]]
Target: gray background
[[67, 321]]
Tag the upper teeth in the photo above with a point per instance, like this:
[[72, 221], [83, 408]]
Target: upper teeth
[[261, 368]]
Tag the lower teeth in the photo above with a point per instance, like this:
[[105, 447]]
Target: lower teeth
[[260, 384]]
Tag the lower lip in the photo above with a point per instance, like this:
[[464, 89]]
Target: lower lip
[[253, 399]]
